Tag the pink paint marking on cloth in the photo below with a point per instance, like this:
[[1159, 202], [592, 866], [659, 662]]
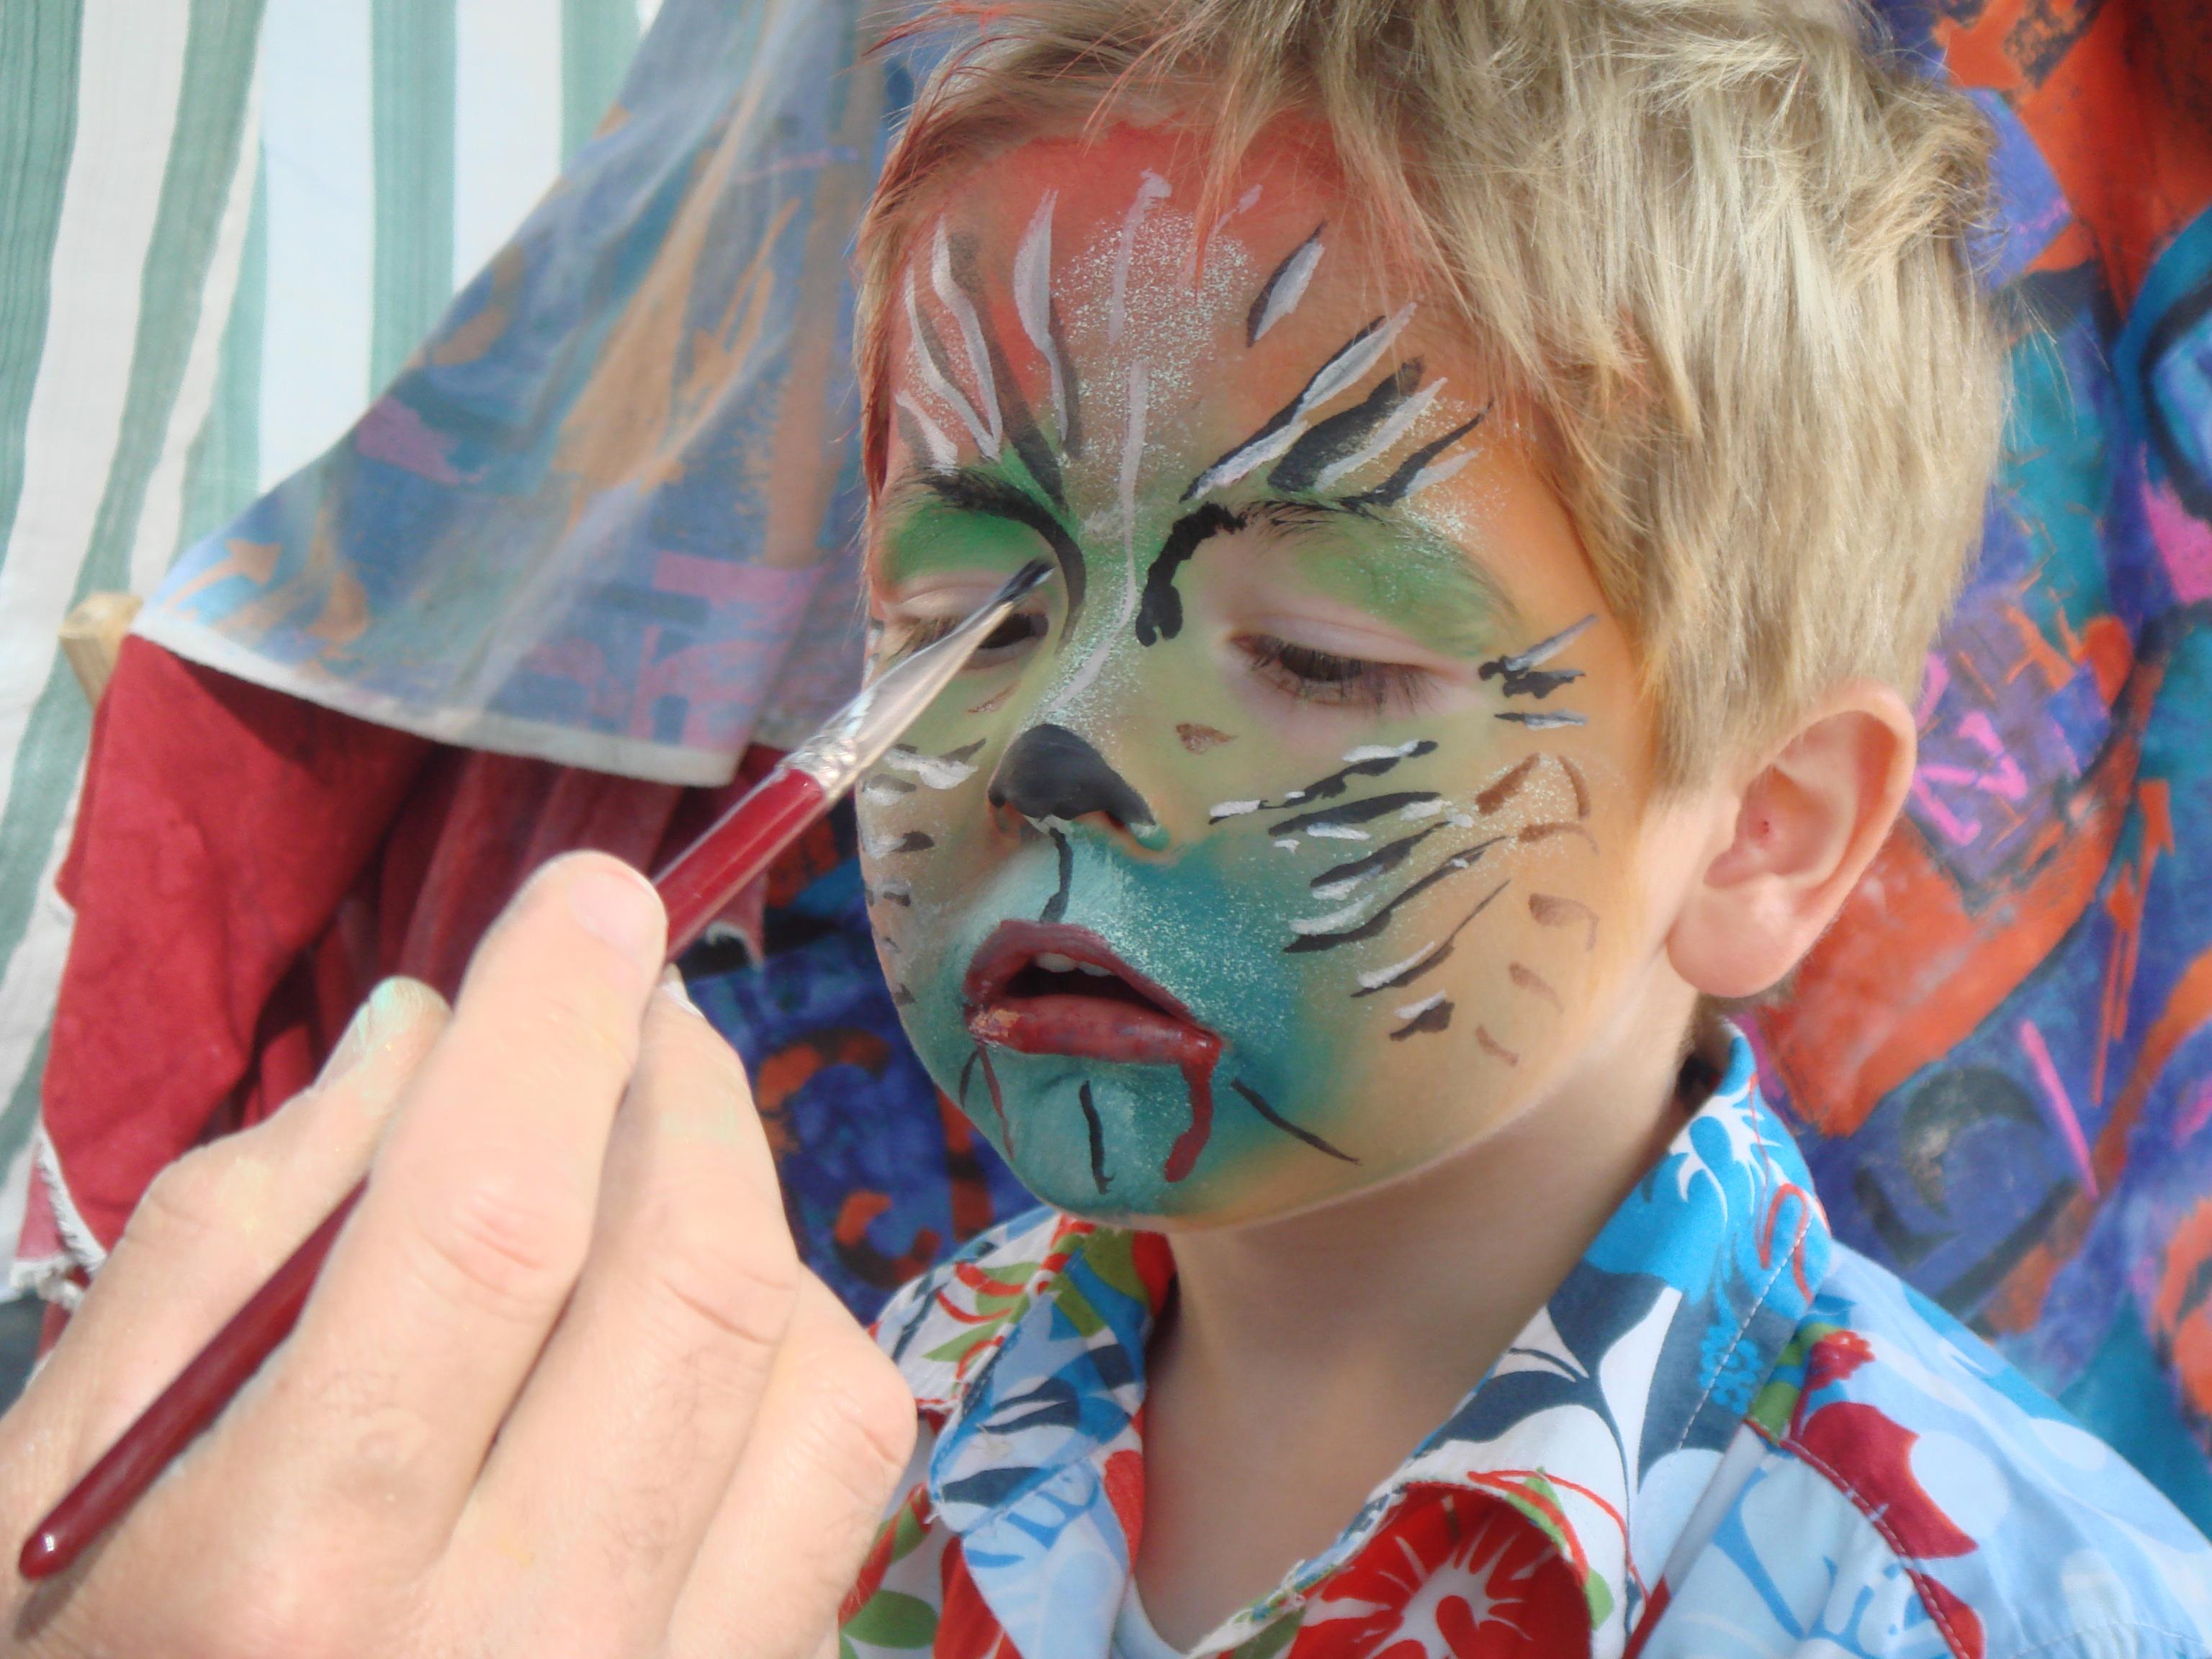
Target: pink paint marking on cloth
[[2185, 544], [394, 434], [2193, 1117], [2060, 1105]]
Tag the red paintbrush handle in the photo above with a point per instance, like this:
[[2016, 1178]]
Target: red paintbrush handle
[[744, 842], [188, 1405]]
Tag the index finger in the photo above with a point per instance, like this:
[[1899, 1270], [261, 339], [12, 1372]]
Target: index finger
[[479, 1211]]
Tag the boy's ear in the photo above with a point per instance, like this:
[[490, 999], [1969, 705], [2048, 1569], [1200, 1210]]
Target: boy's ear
[[1804, 829]]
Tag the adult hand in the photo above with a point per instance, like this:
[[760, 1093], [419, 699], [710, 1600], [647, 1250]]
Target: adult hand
[[563, 1387]]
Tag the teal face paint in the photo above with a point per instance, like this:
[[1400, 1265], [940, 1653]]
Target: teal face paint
[[1265, 856]]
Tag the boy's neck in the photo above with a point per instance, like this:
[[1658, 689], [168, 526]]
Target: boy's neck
[[1302, 1360]]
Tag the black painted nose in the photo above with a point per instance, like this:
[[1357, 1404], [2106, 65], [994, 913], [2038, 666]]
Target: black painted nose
[[1049, 772]]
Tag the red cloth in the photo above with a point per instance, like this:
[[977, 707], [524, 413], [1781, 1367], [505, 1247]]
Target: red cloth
[[245, 866]]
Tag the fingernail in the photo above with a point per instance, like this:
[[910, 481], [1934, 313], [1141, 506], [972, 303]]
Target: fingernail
[[388, 1008], [673, 987], [621, 907]]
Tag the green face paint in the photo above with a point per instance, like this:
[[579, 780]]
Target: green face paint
[[1264, 857]]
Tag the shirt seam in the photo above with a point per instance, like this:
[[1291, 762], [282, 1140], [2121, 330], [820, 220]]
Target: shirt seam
[[1911, 1562], [1720, 1369]]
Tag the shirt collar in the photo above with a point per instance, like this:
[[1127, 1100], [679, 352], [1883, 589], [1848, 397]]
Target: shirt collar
[[1602, 1422]]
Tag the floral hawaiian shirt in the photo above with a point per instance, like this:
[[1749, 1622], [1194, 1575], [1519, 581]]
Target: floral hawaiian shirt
[[1725, 1435]]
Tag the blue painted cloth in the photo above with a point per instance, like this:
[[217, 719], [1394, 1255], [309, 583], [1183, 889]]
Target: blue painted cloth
[[608, 513], [1724, 1435]]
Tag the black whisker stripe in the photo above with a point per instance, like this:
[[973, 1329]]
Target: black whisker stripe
[[1014, 412], [1437, 1017], [1366, 811], [1388, 856], [998, 1098], [1253, 1098], [1437, 954], [967, 1072], [1465, 860], [1394, 487], [1097, 1130], [1159, 613], [974, 492], [1537, 682], [1540, 719], [913, 841], [1331, 439], [1330, 787], [900, 997], [1056, 908], [933, 346], [1071, 414]]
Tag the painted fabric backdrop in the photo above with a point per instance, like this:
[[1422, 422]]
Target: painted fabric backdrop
[[223, 224], [607, 513], [2000, 1062]]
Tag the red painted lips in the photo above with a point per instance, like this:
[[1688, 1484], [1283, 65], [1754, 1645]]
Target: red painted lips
[[1097, 1006]]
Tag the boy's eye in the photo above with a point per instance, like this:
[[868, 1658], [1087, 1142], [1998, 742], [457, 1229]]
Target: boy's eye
[[1317, 676], [902, 638]]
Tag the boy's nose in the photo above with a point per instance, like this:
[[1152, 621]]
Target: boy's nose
[[1049, 772]]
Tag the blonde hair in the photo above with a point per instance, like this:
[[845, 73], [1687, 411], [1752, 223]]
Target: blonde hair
[[1723, 250]]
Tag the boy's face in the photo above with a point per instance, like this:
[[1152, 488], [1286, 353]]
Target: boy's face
[[1289, 840]]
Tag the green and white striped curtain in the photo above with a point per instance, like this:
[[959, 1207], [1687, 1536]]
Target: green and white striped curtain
[[223, 225]]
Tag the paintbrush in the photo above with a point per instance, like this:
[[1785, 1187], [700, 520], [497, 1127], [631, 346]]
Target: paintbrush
[[694, 886]]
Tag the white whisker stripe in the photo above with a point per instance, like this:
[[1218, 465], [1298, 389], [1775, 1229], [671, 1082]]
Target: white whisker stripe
[[1376, 979], [931, 771], [934, 378], [949, 296], [1290, 286], [1230, 809], [1436, 473], [1152, 189], [1374, 751], [944, 453], [1415, 1010], [1350, 365], [1033, 299], [1329, 923], [1336, 832]]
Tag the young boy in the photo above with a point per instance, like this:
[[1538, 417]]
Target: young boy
[[1505, 461]]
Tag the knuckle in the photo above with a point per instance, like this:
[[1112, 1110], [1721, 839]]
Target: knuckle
[[502, 1242], [186, 1198], [860, 1425], [736, 1284]]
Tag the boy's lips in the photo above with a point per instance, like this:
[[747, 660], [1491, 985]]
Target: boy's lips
[[1097, 1005]]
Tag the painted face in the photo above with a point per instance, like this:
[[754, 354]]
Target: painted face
[[1285, 844]]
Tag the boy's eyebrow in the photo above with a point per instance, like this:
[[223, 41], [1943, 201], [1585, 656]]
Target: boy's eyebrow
[[971, 489], [1411, 547]]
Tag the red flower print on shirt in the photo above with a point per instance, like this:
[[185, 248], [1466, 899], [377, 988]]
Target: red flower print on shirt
[[1453, 1576]]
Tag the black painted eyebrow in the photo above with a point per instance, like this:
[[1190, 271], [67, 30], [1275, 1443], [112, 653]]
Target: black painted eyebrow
[[971, 489]]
